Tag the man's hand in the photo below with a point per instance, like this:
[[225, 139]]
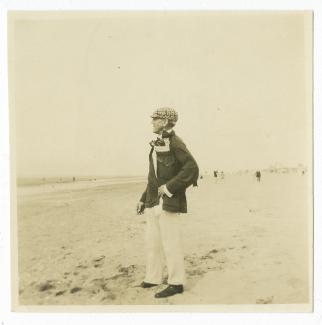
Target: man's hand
[[162, 190], [140, 208]]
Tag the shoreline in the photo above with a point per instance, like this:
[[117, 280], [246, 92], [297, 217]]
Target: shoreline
[[50, 187]]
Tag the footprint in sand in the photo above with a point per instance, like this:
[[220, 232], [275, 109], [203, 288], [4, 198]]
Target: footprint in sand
[[109, 296], [82, 266], [267, 300], [75, 289], [210, 253], [201, 265], [205, 257], [127, 270], [99, 261], [101, 284]]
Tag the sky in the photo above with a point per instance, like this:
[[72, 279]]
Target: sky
[[82, 87]]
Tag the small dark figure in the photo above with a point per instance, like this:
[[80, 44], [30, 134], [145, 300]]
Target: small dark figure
[[74, 179], [258, 176], [215, 173]]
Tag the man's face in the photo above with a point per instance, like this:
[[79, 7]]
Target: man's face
[[158, 124]]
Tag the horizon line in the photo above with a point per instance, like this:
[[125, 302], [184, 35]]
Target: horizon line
[[299, 166]]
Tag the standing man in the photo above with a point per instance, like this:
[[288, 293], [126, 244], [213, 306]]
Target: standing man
[[171, 170], [258, 176]]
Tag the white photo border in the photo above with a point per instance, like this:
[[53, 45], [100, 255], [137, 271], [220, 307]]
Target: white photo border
[[9, 317]]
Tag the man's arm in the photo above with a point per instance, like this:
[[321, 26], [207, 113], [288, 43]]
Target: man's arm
[[189, 171], [143, 196], [141, 204]]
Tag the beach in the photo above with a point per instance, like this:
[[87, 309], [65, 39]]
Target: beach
[[245, 242]]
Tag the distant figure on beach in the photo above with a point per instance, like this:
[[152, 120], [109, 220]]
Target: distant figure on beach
[[258, 175], [172, 169], [215, 173]]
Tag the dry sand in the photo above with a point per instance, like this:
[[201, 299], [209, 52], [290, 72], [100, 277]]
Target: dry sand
[[245, 243]]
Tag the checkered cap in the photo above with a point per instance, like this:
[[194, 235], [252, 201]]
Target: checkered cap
[[166, 113]]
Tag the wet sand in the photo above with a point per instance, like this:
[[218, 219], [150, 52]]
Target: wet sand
[[245, 242]]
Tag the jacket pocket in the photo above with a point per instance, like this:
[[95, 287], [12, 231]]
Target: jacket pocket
[[172, 202], [175, 203]]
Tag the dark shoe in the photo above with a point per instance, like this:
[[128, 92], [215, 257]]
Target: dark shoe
[[147, 285], [170, 291]]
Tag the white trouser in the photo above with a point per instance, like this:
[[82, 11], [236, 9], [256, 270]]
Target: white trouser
[[163, 235]]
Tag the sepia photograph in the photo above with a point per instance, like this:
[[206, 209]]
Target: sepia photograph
[[161, 160]]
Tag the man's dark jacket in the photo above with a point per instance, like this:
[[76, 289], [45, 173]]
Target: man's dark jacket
[[175, 168]]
